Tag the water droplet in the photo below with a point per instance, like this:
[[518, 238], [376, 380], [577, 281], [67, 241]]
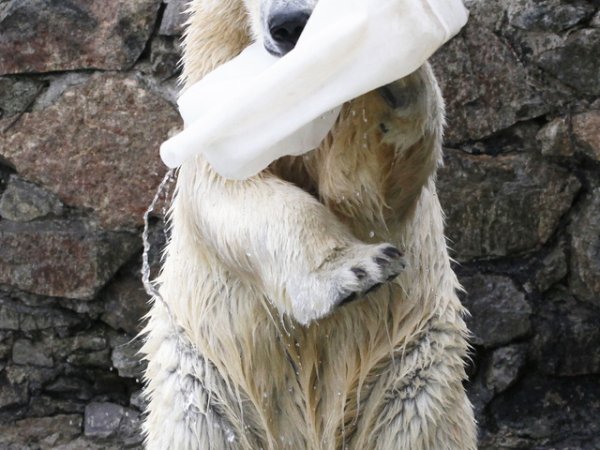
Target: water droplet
[[364, 114], [371, 234], [229, 435]]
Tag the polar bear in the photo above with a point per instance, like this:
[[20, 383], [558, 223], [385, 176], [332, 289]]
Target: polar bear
[[312, 306]]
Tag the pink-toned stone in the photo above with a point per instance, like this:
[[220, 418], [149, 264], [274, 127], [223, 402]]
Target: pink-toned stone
[[96, 147], [47, 35], [61, 258]]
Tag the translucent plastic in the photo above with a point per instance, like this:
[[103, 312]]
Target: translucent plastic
[[257, 108]]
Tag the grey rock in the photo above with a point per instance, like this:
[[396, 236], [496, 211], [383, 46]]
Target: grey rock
[[549, 410], [46, 35], [567, 336], [43, 432], [70, 259], [46, 318], [596, 20], [99, 359], [504, 368], [577, 63], [126, 303], [57, 85], [165, 55], [6, 343], [554, 139], [138, 400], [35, 376], [586, 133], [70, 386], [34, 353], [105, 420], [16, 95], [479, 395], [502, 205], [102, 420], [127, 360], [547, 15], [174, 18], [9, 318], [12, 395], [45, 406], [82, 443], [23, 202], [553, 268], [499, 311], [584, 278]]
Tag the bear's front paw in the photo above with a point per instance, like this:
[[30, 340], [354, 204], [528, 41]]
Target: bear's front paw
[[344, 278], [381, 263]]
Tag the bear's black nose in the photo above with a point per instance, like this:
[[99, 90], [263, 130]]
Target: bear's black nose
[[285, 29]]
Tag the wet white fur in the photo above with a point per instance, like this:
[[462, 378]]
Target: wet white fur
[[249, 262]]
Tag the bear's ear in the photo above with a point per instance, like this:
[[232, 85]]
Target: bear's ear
[[216, 31]]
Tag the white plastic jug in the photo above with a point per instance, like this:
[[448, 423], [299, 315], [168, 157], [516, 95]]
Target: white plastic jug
[[257, 108]]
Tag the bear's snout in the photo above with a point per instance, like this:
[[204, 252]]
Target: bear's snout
[[285, 27]]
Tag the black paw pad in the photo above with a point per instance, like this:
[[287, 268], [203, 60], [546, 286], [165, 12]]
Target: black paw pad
[[360, 273], [392, 252], [381, 262]]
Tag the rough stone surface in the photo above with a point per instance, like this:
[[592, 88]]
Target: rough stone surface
[[577, 63], [554, 139], [12, 395], [557, 413], [505, 365], [27, 352], [105, 420], [61, 258], [586, 133], [126, 303], [585, 249], [485, 85], [44, 432], [111, 123], [47, 35], [547, 15], [499, 311], [23, 202], [16, 95], [126, 359], [502, 205], [552, 268], [567, 335], [174, 18]]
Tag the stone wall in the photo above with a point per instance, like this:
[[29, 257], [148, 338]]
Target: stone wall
[[87, 94]]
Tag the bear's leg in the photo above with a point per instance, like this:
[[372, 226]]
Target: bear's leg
[[307, 261], [421, 400], [189, 405]]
